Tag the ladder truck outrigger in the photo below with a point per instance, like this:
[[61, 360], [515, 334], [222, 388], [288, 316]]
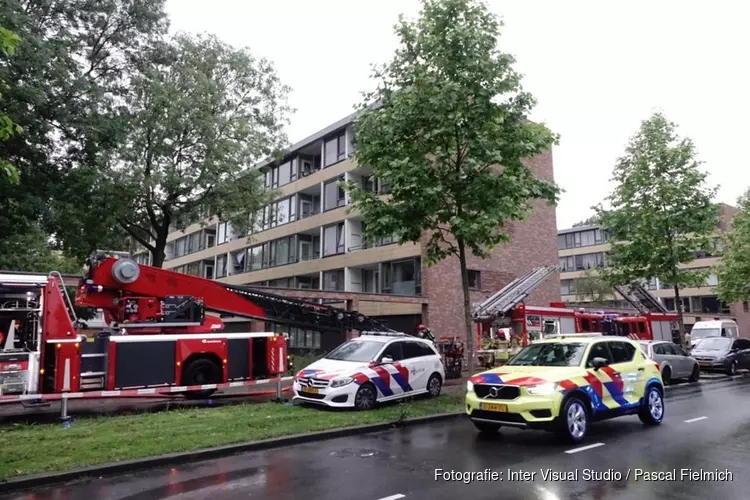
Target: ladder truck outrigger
[[159, 339]]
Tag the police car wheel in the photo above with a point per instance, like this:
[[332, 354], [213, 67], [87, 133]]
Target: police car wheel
[[652, 411], [434, 385], [574, 420], [365, 398]]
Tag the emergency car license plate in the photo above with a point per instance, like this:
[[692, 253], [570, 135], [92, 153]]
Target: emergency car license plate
[[493, 407], [310, 390]]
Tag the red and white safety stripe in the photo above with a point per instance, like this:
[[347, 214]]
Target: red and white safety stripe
[[125, 393]]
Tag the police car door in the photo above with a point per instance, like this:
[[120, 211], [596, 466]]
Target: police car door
[[419, 361], [389, 375]]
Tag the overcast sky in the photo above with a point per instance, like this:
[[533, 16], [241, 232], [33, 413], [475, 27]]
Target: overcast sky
[[596, 70]]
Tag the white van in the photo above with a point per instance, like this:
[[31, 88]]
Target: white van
[[715, 328]]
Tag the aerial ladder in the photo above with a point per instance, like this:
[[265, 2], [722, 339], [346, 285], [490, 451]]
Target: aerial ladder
[[512, 294], [640, 298]]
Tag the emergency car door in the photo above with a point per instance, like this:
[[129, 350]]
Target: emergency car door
[[628, 380], [599, 380], [388, 385], [419, 360]]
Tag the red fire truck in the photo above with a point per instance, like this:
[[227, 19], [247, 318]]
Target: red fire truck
[[159, 338], [527, 323]]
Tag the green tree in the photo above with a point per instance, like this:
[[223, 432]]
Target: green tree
[[733, 271], [64, 84], [591, 221], [661, 210], [450, 110], [8, 43], [591, 287], [200, 113]]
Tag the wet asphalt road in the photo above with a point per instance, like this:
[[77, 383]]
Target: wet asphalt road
[[706, 427]]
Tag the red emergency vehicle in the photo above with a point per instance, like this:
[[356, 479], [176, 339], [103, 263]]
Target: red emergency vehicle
[[159, 335], [528, 323]]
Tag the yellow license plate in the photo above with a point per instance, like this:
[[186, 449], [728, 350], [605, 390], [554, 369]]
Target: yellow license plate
[[311, 390], [703, 363], [493, 407]]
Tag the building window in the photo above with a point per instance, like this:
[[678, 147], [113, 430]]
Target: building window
[[401, 277], [239, 262], [221, 265], [283, 211], [333, 280], [567, 287], [281, 283], [308, 205], [370, 281], [225, 233], [308, 282], [308, 165], [302, 339], [745, 306], [283, 251], [475, 282], [333, 194], [309, 246], [333, 239], [335, 149], [712, 280]]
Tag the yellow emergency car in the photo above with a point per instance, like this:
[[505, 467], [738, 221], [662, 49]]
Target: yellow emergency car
[[564, 383]]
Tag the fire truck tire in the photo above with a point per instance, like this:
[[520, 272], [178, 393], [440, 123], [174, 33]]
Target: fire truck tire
[[198, 372], [366, 397]]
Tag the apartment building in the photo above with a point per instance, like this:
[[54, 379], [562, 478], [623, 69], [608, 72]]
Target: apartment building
[[583, 250], [309, 244]]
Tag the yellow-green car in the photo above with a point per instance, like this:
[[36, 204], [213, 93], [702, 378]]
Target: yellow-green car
[[563, 383]]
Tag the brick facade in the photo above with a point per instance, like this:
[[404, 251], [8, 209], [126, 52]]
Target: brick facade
[[533, 244]]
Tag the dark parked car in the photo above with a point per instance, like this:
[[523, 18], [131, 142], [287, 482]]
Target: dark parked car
[[722, 354]]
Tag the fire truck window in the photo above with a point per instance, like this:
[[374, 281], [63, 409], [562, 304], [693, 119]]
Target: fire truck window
[[642, 327], [585, 325], [595, 325], [622, 352], [625, 330]]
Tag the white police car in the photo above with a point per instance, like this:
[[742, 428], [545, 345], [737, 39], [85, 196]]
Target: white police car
[[372, 368]]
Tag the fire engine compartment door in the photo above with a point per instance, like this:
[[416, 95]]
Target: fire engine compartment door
[[661, 330], [144, 363], [567, 325]]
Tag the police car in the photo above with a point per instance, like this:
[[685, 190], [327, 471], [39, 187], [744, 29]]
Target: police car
[[564, 383], [370, 369]]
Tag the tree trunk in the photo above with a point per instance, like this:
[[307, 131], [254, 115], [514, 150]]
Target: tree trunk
[[678, 305], [468, 322], [160, 245]]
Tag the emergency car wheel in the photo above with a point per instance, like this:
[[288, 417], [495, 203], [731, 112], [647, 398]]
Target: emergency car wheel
[[199, 372], [696, 374], [486, 427], [434, 385], [652, 411], [366, 397], [574, 420]]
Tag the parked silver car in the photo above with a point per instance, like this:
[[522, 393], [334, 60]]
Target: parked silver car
[[675, 363]]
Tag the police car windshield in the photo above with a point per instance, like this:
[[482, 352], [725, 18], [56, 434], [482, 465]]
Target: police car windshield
[[356, 350], [546, 354], [702, 333]]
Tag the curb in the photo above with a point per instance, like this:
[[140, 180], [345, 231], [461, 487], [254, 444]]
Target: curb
[[41, 480], [709, 381]]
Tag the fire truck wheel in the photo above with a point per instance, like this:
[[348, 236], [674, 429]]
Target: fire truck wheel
[[366, 397], [198, 372]]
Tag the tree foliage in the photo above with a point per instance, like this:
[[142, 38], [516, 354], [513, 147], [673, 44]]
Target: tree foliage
[[591, 221], [199, 114], [733, 271], [8, 43], [591, 287], [64, 85], [661, 209], [450, 110]]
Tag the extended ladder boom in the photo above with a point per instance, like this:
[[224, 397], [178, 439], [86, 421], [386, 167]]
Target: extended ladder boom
[[640, 298], [513, 293]]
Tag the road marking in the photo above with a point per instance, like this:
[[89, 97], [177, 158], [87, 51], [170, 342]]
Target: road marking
[[690, 421], [584, 448], [393, 497]]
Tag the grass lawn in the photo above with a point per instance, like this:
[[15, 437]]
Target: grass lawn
[[33, 449]]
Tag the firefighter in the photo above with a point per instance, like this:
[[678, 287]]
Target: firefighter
[[424, 333]]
